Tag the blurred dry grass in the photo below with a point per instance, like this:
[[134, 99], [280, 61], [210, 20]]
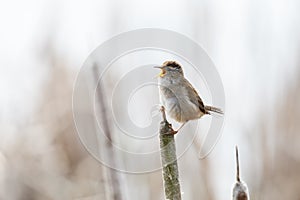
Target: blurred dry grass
[[275, 148], [47, 161]]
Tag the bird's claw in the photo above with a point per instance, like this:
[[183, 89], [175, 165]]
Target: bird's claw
[[172, 131]]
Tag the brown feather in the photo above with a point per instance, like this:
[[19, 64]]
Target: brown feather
[[193, 93], [213, 109], [198, 101]]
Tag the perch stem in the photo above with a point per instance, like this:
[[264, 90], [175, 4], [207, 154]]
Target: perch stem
[[169, 160]]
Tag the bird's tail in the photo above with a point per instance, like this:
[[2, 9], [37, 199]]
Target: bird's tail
[[210, 109]]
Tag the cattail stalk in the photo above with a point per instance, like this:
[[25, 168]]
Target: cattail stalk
[[169, 160], [240, 189], [116, 193]]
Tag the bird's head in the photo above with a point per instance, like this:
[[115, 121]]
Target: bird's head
[[170, 67]]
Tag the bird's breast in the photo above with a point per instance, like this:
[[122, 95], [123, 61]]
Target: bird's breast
[[177, 103]]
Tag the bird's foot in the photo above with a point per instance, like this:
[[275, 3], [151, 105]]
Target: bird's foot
[[172, 131]]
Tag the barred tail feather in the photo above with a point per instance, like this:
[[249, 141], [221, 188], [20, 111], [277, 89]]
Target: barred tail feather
[[209, 109]]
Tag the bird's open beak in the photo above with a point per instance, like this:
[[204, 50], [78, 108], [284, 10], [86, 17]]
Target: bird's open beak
[[162, 72]]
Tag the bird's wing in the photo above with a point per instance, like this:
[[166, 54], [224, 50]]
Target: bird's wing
[[194, 97]]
